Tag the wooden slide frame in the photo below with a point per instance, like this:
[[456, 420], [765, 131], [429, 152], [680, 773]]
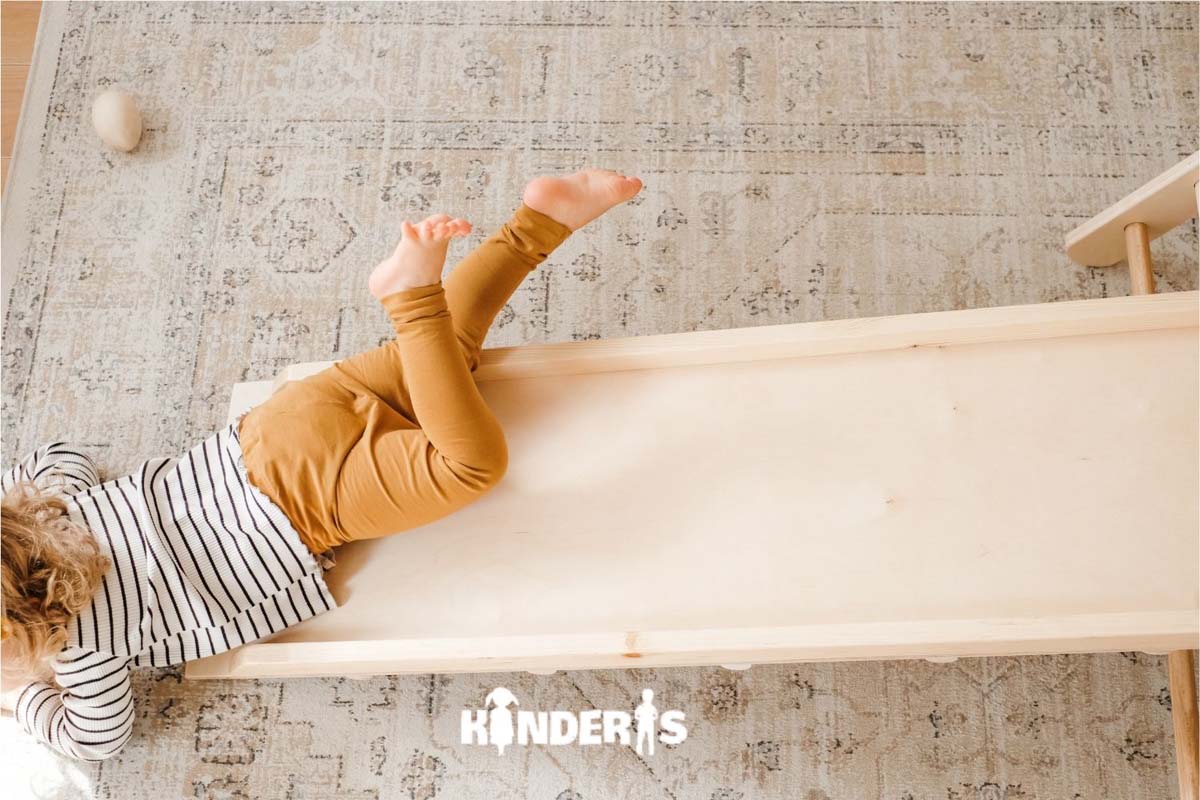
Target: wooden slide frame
[[1119, 374], [1027, 333]]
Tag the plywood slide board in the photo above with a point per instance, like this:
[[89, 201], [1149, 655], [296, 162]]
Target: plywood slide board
[[983, 482]]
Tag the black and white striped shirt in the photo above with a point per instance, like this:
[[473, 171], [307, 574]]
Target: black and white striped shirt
[[202, 561]]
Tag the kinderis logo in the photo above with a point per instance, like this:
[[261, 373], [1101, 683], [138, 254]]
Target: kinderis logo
[[501, 723]]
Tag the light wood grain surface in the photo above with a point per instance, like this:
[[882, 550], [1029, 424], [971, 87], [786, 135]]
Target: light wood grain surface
[[970, 495], [18, 30]]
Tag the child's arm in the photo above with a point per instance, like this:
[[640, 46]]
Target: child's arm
[[57, 466], [92, 717]]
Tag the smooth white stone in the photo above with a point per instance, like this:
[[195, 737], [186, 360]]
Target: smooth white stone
[[117, 121]]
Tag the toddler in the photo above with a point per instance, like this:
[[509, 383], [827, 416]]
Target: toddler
[[191, 556]]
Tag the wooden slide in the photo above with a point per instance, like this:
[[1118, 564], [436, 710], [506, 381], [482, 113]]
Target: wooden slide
[[983, 482]]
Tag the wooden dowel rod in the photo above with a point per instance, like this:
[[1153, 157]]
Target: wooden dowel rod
[[1181, 667], [1137, 252]]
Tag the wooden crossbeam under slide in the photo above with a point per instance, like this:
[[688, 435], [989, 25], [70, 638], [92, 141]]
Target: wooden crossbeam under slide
[[985, 482]]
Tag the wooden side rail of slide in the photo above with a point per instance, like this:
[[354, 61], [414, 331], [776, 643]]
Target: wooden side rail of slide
[[1124, 231]]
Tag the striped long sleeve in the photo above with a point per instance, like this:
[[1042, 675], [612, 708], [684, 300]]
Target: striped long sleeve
[[201, 561], [56, 466], [91, 718]]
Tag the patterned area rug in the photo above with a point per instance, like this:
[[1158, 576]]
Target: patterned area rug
[[802, 162]]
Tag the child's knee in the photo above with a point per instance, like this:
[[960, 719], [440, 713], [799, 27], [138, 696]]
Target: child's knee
[[486, 462], [493, 461]]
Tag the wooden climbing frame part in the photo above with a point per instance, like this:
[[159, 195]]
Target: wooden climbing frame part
[[1162, 204], [1137, 247], [1182, 668]]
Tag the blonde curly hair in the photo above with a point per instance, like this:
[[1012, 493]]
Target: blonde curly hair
[[49, 569]]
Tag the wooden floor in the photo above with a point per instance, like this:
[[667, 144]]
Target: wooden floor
[[18, 28]]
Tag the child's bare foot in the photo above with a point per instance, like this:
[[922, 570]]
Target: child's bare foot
[[418, 258], [575, 200]]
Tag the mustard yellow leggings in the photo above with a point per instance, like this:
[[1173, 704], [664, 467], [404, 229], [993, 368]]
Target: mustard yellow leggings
[[398, 436]]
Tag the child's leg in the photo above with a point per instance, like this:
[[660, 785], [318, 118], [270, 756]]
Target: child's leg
[[343, 462], [398, 476], [399, 436], [476, 290], [551, 209], [480, 285]]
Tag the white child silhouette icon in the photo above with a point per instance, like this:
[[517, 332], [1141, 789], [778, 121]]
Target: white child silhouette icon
[[500, 719], [646, 716]]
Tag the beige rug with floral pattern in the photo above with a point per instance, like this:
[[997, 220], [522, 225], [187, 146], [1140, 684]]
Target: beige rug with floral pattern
[[802, 162]]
